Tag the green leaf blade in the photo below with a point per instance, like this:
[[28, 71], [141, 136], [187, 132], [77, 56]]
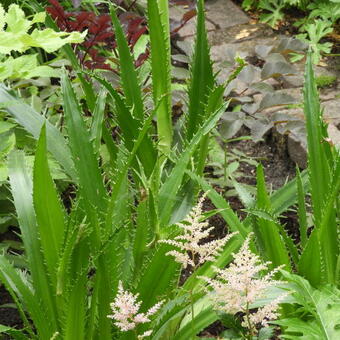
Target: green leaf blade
[[32, 122], [202, 78], [128, 75], [97, 123], [320, 162], [160, 62], [49, 213], [89, 176], [267, 232], [21, 187]]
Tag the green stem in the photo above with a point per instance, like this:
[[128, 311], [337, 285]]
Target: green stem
[[250, 326], [225, 165], [192, 314], [192, 301], [332, 54]]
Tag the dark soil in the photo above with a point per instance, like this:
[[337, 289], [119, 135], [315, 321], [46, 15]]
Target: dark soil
[[272, 154], [213, 330], [9, 316], [12, 234], [278, 169]]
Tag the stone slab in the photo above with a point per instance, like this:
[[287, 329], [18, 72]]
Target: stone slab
[[297, 151], [332, 111], [220, 15], [225, 13], [297, 147]]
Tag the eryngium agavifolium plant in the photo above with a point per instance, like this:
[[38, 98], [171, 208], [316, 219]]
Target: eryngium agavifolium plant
[[76, 257], [102, 255]]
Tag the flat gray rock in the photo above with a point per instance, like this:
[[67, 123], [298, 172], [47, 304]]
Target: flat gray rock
[[232, 33], [220, 14], [297, 151], [225, 13], [332, 111]]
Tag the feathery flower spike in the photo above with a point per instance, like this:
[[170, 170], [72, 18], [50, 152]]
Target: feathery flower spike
[[125, 311], [237, 287], [192, 251]]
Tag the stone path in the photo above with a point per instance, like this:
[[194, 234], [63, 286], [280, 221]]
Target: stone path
[[232, 32]]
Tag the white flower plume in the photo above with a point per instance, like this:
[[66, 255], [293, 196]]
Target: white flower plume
[[125, 311], [192, 251], [237, 287]]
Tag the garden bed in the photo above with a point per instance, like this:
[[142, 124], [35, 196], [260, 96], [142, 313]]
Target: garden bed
[[101, 233]]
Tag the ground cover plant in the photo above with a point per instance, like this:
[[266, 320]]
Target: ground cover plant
[[116, 243], [320, 19]]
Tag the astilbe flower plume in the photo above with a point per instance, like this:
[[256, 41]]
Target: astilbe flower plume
[[237, 287], [125, 311], [192, 251]]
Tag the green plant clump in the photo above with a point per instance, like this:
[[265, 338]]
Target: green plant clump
[[325, 81], [115, 248], [16, 35], [321, 16]]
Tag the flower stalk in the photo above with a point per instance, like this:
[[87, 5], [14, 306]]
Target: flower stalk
[[126, 312], [236, 288], [192, 250]]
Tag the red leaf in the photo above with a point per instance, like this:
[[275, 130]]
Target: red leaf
[[100, 24], [56, 5], [134, 24], [57, 13], [100, 33], [89, 43], [95, 56], [94, 65], [175, 26], [104, 35], [104, 19], [141, 58], [83, 20], [133, 39], [188, 15], [125, 17]]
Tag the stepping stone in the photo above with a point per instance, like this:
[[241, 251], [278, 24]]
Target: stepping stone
[[331, 111], [220, 15], [297, 144], [225, 13]]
